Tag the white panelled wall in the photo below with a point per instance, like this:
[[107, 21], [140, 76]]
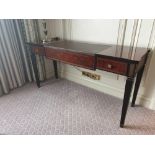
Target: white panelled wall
[[122, 32]]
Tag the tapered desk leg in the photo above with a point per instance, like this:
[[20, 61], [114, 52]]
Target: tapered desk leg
[[137, 84], [33, 58], [126, 100], [55, 68]]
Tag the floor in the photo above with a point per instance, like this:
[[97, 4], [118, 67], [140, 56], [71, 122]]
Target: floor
[[64, 107]]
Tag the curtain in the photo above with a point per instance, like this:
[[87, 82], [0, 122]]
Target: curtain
[[31, 31], [15, 63], [14, 70]]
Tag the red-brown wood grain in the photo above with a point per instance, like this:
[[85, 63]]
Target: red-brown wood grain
[[111, 65], [82, 60]]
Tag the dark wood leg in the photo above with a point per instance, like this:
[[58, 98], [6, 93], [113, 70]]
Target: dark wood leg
[[126, 100], [33, 58], [137, 84], [55, 68]]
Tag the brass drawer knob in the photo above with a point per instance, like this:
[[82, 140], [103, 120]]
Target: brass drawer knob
[[109, 66]]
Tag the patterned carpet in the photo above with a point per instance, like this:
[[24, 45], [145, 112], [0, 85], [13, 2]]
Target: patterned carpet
[[64, 107]]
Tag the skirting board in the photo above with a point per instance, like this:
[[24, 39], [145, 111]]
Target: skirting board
[[152, 105], [102, 87]]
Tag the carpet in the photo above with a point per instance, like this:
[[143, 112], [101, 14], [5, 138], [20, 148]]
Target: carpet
[[62, 107]]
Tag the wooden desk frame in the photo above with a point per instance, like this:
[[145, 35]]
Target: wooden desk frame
[[133, 68]]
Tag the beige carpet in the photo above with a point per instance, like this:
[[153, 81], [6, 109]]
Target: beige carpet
[[64, 107]]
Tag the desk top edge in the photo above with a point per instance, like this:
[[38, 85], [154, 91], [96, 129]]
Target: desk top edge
[[109, 50]]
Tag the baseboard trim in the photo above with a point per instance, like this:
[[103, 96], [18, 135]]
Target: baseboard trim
[[103, 87]]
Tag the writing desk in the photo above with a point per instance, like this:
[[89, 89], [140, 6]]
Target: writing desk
[[96, 56]]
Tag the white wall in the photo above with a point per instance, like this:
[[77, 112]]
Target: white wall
[[95, 30], [113, 32]]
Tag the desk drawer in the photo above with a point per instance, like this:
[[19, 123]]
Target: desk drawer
[[81, 60], [111, 65]]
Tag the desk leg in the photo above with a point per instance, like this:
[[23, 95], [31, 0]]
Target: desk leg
[[33, 58], [55, 68], [137, 84], [126, 100]]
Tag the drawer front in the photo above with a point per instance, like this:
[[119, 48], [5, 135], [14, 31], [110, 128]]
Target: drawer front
[[38, 50], [111, 66], [81, 60]]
